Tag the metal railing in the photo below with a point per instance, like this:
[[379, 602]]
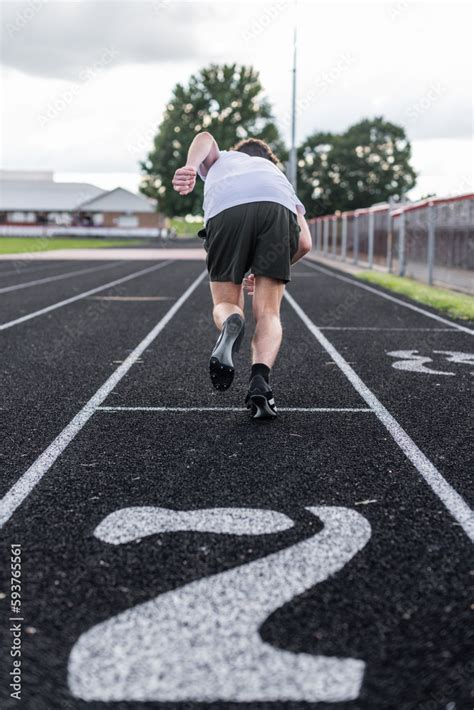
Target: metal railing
[[431, 241]]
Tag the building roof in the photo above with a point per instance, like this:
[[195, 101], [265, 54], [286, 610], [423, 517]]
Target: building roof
[[118, 200], [25, 195], [38, 195]]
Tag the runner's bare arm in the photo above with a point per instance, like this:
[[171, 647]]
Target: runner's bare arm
[[203, 152], [305, 242]]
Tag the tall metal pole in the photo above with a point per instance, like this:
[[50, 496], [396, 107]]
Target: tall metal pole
[[293, 157]]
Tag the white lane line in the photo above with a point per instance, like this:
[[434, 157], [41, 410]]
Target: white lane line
[[19, 272], [132, 298], [445, 492], [27, 482], [412, 307], [84, 294], [398, 330], [58, 277], [231, 409]]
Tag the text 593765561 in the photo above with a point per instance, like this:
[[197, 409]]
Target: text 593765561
[[16, 620]]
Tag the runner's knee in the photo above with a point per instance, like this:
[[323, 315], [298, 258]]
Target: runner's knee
[[261, 311]]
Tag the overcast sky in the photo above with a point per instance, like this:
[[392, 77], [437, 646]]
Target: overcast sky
[[84, 83]]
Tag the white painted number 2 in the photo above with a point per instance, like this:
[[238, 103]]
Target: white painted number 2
[[410, 361], [201, 642]]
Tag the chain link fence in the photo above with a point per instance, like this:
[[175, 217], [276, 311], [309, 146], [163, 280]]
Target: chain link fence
[[431, 241]]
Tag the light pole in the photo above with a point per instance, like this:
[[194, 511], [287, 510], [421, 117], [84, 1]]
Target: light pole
[[293, 157]]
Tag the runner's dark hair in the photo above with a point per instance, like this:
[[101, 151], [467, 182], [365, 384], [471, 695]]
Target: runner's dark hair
[[256, 148]]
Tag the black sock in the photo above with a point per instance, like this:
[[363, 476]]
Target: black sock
[[260, 369]]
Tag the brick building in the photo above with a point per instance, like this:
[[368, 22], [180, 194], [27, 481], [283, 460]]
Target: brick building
[[32, 198]]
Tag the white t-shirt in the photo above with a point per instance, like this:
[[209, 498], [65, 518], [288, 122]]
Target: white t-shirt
[[237, 178]]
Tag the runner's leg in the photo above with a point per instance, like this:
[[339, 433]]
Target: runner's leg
[[228, 298], [228, 316], [266, 309], [266, 343]]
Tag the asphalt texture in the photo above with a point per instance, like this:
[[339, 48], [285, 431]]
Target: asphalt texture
[[402, 604]]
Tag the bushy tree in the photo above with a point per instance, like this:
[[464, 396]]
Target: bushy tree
[[226, 100], [368, 163]]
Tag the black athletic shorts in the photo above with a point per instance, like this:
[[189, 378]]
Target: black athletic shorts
[[261, 237]]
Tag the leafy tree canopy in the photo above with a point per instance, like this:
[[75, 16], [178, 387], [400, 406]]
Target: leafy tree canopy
[[226, 100], [368, 163]]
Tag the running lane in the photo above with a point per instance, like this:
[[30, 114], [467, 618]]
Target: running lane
[[420, 369], [54, 362], [395, 605], [35, 299]]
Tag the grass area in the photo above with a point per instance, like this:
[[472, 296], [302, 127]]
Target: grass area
[[20, 245], [451, 303], [184, 228]]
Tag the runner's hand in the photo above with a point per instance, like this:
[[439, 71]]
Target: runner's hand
[[184, 180], [249, 284]]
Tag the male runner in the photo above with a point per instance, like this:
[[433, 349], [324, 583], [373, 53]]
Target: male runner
[[253, 221]]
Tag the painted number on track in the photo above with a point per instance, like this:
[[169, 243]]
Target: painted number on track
[[201, 642], [411, 361]]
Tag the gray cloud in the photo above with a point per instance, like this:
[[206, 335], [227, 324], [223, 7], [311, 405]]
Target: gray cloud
[[399, 70], [61, 39]]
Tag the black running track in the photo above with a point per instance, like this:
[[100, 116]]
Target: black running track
[[387, 461]]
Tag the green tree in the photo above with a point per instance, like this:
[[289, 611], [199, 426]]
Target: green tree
[[368, 163], [226, 100]]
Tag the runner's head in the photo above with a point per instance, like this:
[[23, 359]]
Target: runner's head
[[256, 148]]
